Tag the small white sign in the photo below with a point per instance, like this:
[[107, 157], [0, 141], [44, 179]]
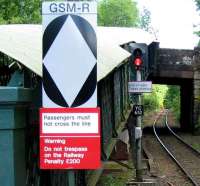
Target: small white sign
[[140, 87], [70, 123]]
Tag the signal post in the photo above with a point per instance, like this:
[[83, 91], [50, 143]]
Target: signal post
[[138, 87], [138, 134]]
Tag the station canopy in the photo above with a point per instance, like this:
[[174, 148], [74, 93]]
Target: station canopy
[[24, 44]]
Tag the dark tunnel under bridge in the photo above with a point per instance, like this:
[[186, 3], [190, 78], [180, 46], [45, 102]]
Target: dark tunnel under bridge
[[180, 67]]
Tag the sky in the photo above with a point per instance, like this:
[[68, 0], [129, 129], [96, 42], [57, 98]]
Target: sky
[[174, 20]]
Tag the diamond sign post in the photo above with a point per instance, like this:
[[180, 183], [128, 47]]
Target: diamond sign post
[[69, 119]]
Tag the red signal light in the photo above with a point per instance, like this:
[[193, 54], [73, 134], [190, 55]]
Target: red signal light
[[137, 61]]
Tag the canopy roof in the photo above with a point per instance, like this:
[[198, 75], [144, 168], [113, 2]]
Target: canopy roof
[[24, 43]]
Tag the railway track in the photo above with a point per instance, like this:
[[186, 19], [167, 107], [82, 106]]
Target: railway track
[[182, 153]]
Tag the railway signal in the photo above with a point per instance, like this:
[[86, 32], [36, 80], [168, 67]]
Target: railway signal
[[139, 56], [139, 65], [137, 59]]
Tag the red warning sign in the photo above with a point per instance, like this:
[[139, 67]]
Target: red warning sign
[[69, 138]]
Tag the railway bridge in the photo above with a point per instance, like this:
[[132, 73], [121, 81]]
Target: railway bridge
[[180, 67]]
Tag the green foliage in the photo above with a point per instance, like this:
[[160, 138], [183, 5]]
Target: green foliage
[[197, 33], [145, 23], [154, 100], [163, 96], [160, 91], [20, 11], [151, 102], [116, 179], [198, 4], [198, 8], [110, 12], [172, 100], [196, 146], [109, 180], [117, 13], [145, 19]]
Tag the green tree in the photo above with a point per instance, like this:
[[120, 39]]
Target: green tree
[[20, 11], [198, 4], [151, 102], [154, 101], [118, 13], [145, 20], [198, 8], [172, 100]]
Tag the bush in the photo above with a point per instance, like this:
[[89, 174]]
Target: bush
[[151, 102], [172, 100], [154, 100]]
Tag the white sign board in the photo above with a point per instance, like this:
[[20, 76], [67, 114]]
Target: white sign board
[[140, 87], [69, 54], [69, 118], [68, 123]]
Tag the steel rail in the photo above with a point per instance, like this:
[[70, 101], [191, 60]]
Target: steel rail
[[191, 178], [181, 139]]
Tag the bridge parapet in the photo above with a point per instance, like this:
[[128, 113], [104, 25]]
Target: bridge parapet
[[175, 57], [174, 63]]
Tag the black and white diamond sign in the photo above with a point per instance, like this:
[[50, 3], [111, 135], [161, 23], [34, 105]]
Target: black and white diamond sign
[[69, 55]]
